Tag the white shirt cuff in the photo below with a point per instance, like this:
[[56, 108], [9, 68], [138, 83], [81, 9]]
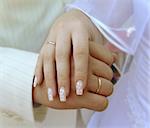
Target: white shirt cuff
[[16, 75]]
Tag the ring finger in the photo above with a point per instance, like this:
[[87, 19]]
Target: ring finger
[[99, 85], [49, 70]]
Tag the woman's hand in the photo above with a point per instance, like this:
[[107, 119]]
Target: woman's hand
[[70, 35], [99, 84]]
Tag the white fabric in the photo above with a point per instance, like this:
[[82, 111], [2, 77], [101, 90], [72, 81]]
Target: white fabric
[[16, 95], [127, 23], [24, 24]]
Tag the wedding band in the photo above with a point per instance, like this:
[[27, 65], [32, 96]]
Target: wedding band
[[99, 85], [51, 42]]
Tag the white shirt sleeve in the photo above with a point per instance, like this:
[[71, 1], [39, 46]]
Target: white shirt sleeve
[[16, 76]]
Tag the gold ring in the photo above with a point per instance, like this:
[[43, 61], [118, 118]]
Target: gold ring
[[51, 42], [99, 85]]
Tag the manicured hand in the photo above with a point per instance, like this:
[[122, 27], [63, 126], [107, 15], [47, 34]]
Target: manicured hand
[[69, 36], [99, 84]]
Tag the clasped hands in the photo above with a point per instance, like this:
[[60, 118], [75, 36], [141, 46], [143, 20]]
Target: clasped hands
[[74, 68]]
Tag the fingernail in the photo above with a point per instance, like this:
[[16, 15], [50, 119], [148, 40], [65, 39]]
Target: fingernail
[[35, 81], [62, 94], [50, 94], [79, 87]]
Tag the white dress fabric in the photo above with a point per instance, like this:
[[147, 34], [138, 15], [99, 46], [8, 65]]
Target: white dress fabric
[[126, 24]]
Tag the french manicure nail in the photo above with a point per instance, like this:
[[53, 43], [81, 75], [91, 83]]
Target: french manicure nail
[[35, 81], [62, 94], [79, 87], [50, 94]]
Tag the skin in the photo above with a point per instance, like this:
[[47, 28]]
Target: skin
[[72, 33], [90, 99]]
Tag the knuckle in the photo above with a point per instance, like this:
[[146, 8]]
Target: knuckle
[[110, 74], [61, 55], [111, 60], [81, 73], [48, 55], [111, 92], [62, 78], [80, 53], [61, 25], [111, 89], [110, 84], [51, 78]]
